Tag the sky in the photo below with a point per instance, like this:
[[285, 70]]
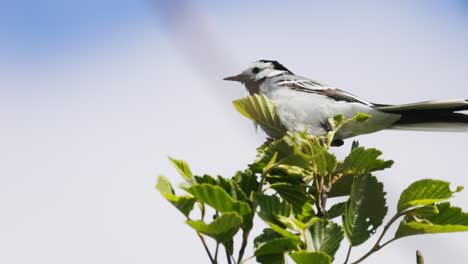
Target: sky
[[94, 95]]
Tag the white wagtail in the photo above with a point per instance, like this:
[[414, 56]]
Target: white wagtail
[[306, 105]]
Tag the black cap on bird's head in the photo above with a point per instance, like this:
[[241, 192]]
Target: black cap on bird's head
[[276, 65], [260, 70]]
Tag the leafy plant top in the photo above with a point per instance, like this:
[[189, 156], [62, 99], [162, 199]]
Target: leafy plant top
[[288, 187]]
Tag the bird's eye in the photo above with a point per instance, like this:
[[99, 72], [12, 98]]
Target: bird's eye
[[256, 70]]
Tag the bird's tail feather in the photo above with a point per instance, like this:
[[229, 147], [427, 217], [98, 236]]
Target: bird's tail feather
[[430, 116]]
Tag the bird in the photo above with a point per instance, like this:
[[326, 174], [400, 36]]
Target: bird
[[303, 104]]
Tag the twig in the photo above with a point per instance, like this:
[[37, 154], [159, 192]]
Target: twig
[[388, 242], [202, 210], [349, 253], [247, 259], [245, 237], [324, 197], [377, 245], [263, 179], [318, 202], [206, 247], [419, 257], [228, 256], [216, 253]]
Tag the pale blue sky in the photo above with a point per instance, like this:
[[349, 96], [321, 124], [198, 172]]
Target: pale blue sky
[[95, 94]]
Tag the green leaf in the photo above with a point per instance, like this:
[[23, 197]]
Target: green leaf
[[221, 201], [289, 171], [267, 235], [292, 223], [449, 219], [163, 185], [304, 257], [271, 207], [205, 179], [271, 259], [359, 161], [360, 117], [325, 236], [424, 192], [342, 187], [247, 181], [229, 246], [230, 186], [264, 154], [423, 211], [232, 189], [276, 246], [306, 214], [270, 163], [324, 161], [294, 149], [338, 119], [270, 246], [262, 110], [365, 209], [293, 194], [285, 233], [213, 196], [183, 169], [283, 173], [183, 203], [364, 160], [222, 229], [336, 210]]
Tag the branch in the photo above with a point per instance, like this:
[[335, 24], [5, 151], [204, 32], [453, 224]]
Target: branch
[[228, 256], [216, 253], [247, 259], [206, 247], [377, 245], [419, 257], [349, 253], [245, 237]]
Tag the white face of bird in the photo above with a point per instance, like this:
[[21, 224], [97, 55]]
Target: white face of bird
[[258, 71]]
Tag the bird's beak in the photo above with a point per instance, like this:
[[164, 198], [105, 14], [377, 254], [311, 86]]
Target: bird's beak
[[236, 78]]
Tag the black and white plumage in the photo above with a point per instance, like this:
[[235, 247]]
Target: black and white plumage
[[306, 105]]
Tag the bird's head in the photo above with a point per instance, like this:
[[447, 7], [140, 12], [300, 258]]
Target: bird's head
[[258, 71]]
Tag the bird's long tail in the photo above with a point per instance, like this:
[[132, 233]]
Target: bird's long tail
[[430, 116]]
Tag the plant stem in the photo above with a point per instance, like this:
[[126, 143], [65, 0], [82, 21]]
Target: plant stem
[[263, 179], [247, 259], [216, 253], [388, 242], [202, 210], [419, 257], [228, 256], [245, 237], [377, 245], [349, 253], [324, 197], [318, 201], [206, 247]]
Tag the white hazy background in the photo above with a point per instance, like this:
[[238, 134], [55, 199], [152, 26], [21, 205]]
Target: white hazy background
[[95, 94]]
